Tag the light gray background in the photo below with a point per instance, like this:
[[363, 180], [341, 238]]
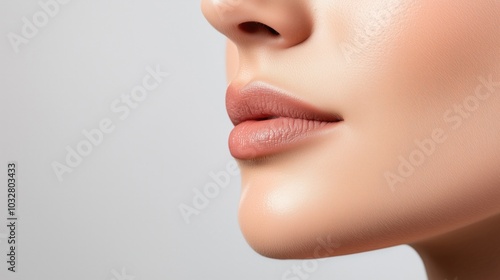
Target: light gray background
[[116, 215]]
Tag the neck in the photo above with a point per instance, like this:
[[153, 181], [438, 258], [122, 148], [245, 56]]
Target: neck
[[469, 253]]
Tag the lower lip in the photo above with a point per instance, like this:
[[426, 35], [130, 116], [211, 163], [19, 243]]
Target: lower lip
[[256, 139]]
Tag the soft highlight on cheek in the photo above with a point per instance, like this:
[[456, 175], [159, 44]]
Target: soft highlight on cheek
[[444, 42]]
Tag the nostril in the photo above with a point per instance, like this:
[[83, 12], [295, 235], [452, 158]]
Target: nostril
[[253, 27]]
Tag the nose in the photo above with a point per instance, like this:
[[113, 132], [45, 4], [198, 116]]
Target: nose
[[273, 23]]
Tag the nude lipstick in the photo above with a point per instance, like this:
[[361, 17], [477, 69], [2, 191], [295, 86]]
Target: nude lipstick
[[269, 120]]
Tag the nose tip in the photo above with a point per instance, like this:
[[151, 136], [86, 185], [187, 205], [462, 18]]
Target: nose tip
[[279, 23]]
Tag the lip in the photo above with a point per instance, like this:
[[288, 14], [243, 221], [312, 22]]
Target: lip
[[268, 120]]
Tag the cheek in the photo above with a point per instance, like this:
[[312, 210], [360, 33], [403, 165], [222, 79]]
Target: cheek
[[414, 75], [442, 43]]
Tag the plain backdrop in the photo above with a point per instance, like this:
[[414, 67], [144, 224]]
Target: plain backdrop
[[115, 215]]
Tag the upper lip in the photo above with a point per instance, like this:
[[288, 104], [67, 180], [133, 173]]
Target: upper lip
[[260, 101]]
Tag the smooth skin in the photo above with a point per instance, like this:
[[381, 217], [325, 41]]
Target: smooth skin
[[417, 158]]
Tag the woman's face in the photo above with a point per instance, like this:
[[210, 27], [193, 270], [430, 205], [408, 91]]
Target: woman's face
[[362, 124]]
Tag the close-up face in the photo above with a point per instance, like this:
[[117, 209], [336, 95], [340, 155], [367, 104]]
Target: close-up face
[[361, 124]]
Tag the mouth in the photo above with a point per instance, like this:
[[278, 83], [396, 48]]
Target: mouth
[[269, 121]]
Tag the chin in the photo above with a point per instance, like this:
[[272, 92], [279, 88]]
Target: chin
[[307, 216]]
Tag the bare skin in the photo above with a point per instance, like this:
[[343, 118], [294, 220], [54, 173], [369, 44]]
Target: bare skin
[[415, 159], [468, 253]]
